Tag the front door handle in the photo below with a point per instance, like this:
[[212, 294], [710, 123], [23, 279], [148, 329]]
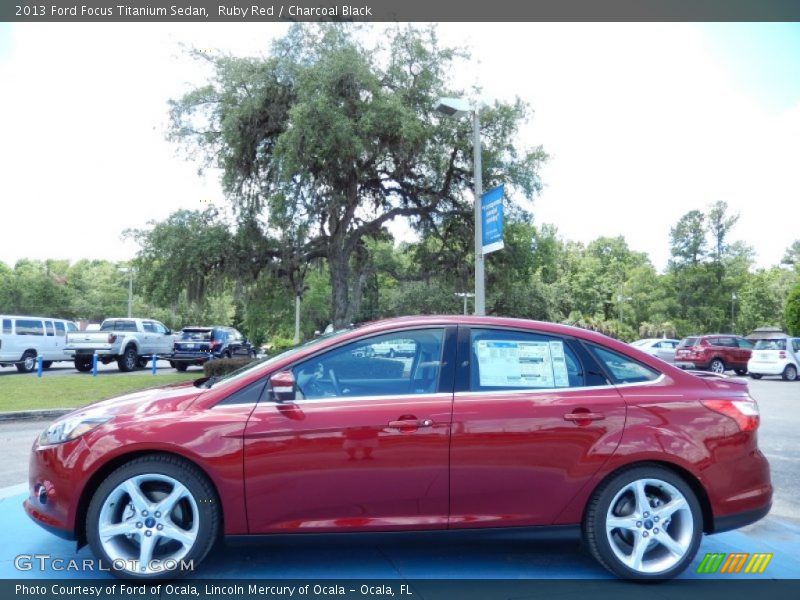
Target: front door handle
[[584, 416], [408, 424]]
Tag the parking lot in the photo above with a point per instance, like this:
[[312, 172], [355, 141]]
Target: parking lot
[[436, 557]]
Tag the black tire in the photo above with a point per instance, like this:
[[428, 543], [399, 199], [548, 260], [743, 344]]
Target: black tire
[[181, 366], [141, 363], [198, 486], [129, 360], [717, 366], [83, 364], [598, 508], [28, 363], [756, 376], [741, 372], [226, 354], [789, 373], [46, 364]]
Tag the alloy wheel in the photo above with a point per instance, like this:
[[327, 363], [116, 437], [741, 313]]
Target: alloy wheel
[[649, 526], [148, 523]]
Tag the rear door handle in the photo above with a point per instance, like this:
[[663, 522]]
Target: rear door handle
[[586, 416]]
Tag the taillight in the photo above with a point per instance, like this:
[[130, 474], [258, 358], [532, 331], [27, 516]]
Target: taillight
[[782, 354], [744, 412], [112, 338], [215, 345]]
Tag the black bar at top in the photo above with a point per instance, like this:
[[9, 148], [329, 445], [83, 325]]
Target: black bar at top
[[398, 10]]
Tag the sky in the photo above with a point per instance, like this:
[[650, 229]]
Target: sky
[[643, 122]]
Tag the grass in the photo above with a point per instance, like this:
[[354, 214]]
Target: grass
[[27, 392]]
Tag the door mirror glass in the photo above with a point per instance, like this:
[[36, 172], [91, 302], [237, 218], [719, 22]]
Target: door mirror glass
[[282, 386]]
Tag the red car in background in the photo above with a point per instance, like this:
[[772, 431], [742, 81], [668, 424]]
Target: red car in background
[[716, 353], [489, 423]]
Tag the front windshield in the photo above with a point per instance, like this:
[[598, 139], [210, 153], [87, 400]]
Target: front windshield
[[246, 369]]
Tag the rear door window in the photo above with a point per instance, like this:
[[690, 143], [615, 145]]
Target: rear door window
[[50, 329], [60, 330], [7, 326], [516, 360]]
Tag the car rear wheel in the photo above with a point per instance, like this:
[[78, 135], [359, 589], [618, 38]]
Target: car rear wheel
[[717, 366], [28, 363], [741, 371], [151, 516], [129, 360], [47, 364], [755, 375], [644, 523], [790, 373], [180, 366]]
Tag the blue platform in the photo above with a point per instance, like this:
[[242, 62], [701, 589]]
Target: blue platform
[[390, 557]]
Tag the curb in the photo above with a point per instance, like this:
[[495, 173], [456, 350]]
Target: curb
[[47, 413]]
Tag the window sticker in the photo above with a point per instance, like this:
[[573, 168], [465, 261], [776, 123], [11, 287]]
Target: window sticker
[[506, 363]]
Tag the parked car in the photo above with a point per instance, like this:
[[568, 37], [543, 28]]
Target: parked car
[[775, 356], [24, 339], [717, 353], [496, 423], [196, 345], [130, 342], [663, 348]]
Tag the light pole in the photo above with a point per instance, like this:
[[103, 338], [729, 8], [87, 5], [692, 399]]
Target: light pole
[[621, 299], [465, 295], [733, 317], [129, 271], [458, 107]]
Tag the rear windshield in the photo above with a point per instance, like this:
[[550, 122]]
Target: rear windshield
[[771, 345], [118, 325], [688, 342], [197, 335]]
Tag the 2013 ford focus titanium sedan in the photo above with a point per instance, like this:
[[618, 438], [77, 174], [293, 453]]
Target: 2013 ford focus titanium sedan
[[488, 423]]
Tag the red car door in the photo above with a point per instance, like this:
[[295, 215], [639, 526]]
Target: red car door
[[364, 445], [533, 420]]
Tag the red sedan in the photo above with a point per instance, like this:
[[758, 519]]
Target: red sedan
[[483, 423]]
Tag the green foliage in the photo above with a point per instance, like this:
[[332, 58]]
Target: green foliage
[[791, 312], [328, 139], [223, 366]]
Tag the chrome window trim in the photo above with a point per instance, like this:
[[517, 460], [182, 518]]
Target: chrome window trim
[[541, 391]]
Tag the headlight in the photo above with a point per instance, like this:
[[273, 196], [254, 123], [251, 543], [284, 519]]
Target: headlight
[[69, 429]]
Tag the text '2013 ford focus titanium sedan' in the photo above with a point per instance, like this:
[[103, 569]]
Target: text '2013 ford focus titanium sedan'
[[483, 423]]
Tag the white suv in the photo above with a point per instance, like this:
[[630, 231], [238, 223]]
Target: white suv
[[776, 356]]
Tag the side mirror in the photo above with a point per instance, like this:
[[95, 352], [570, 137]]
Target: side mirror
[[282, 386], [168, 332]]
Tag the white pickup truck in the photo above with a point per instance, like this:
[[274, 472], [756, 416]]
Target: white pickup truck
[[131, 342]]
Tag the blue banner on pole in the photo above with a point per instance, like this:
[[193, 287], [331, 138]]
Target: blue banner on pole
[[492, 220]]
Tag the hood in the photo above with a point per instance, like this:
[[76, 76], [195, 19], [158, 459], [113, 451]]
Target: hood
[[170, 398]]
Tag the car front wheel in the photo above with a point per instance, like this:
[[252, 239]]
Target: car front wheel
[[644, 523], [154, 517]]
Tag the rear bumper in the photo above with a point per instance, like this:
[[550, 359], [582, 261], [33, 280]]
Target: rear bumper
[[766, 368], [196, 358], [737, 520], [688, 364], [76, 352]]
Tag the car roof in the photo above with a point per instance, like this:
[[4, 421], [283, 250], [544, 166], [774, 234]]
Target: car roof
[[472, 320]]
